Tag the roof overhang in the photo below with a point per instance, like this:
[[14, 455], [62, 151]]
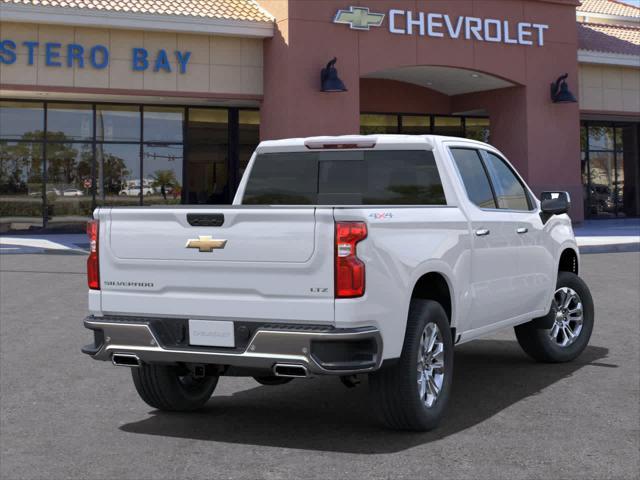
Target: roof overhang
[[607, 58], [134, 21]]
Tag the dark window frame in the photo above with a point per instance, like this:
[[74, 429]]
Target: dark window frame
[[527, 192]]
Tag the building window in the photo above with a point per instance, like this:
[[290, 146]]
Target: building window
[[207, 156], [477, 128], [372, 123], [610, 170], [59, 160]]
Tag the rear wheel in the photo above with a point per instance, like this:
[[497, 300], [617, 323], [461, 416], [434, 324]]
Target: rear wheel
[[563, 334], [413, 393], [172, 388]]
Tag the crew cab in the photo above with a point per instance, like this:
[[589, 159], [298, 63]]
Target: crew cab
[[340, 256]]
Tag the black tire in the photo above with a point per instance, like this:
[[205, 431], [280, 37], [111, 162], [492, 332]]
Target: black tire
[[395, 390], [272, 380], [535, 336], [172, 388]]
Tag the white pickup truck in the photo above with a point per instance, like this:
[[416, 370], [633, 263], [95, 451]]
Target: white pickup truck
[[340, 256]]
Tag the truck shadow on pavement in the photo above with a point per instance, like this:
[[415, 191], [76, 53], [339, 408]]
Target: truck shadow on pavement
[[321, 414]]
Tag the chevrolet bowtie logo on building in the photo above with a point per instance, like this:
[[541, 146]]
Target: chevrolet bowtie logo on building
[[205, 243], [359, 18]]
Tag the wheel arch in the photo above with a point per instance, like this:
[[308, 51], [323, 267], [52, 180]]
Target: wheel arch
[[569, 261], [436, 286]]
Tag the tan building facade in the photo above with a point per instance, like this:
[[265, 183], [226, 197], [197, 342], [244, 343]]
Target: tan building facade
[[202, 64]]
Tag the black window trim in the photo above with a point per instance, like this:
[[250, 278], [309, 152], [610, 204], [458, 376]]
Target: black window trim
[[478, 149], [525, 188], [451, 147]]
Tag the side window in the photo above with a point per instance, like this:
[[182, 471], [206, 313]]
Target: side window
[[474, 177], [510, 192]]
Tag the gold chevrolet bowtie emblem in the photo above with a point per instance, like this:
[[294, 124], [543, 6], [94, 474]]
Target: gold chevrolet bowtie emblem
[[205, 243]]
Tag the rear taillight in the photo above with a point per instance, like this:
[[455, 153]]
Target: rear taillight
[[349, 269], [93, 265]]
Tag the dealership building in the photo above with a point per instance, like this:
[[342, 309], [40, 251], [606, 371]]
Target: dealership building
[[109, 102]]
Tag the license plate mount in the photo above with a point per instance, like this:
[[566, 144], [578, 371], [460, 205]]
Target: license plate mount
[[211, 333]]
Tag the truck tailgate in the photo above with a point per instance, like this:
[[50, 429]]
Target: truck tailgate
[[272, 267]]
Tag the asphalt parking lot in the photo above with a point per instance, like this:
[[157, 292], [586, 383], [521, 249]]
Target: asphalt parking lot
[[64, 415]]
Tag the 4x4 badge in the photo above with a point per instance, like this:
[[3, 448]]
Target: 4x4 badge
[[359, 18]]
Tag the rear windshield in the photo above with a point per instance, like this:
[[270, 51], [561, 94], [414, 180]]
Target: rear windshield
[[344, 177]]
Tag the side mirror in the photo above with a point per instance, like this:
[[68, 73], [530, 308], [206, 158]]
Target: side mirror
[[555, 203]]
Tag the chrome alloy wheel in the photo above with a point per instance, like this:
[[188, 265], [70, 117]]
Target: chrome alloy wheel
[[430, 364], [568, 318]]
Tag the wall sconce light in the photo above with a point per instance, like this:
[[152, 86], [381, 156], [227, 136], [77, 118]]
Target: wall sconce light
[[329, 80], [560, 92]]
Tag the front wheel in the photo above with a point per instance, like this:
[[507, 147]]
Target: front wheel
[[563, 334], [172, 387], [413, 393]]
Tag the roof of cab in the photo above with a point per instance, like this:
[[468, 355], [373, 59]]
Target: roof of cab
[[379, 142]]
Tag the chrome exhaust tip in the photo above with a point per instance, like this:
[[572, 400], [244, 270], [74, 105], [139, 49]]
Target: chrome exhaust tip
[[290, 370], [125, 360]]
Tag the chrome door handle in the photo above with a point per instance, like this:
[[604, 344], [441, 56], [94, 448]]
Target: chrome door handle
[[522, 230], [483, 232]]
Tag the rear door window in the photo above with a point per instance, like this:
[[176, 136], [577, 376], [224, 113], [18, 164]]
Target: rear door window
[[474, 176], [380, 177]]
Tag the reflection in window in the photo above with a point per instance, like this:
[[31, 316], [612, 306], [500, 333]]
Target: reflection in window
[[118, 123], [478, 129], [21, 185], [21, 120], [449, 126], [510, 193], [601, 138], [118, 174], [248, 137], [207, 156], [416, 124], [67, 121], [163, 124], [374, 123], [69, 176], [602, 190], [474, 177], [162, 169]]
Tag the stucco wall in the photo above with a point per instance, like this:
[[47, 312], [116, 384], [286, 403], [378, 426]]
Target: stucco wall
[[221, 65], [609, 88]]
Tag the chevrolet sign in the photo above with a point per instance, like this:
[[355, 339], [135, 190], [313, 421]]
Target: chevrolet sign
[[441, 25]]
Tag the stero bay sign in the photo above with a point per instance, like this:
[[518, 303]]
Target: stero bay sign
[[96, 56], [441, 25]]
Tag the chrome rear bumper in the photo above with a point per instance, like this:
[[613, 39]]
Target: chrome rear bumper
[[321, 350]]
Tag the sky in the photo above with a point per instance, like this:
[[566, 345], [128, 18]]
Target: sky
[[635, 3]]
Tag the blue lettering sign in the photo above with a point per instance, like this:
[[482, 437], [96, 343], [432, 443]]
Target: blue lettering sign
[[162, 62], [99, 51], [140, 62], [7, 52], [75, 54], [96, 56], [51, 53], [31, 47], [183, 58]]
